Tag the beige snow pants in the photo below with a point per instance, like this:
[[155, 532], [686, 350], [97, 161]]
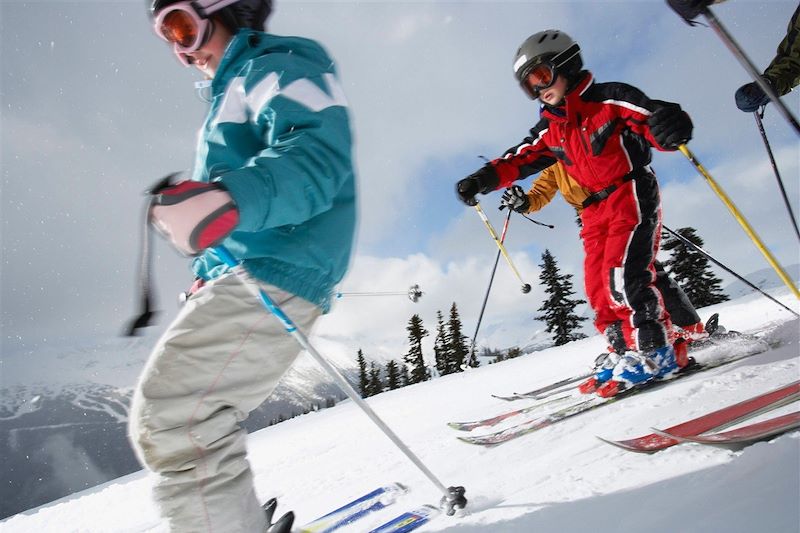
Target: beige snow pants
[[220, 359]]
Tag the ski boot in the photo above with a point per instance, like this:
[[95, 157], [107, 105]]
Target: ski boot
[[631, 370], [603, 368], [283, 524], [666, 361]]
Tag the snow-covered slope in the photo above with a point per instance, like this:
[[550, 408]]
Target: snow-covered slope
[[558, 479]]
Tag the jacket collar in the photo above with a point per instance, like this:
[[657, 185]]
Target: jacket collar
[[572, 102], [243, 47]]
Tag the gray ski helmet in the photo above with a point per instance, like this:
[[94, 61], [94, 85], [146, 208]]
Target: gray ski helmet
[[234, 14], [553, 46]]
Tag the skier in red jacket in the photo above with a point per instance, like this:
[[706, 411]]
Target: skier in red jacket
[[602, 133]]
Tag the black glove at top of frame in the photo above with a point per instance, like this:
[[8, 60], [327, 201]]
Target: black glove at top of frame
[[750, 96]]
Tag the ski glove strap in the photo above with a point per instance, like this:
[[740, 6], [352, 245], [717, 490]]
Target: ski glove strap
[[670, 126], [193, 215], [515, 198], [483, 181], [749, 97]]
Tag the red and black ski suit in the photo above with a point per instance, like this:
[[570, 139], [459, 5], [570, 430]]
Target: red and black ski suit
[[601, 135]]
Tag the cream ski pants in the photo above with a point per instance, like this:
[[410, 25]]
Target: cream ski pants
[[220, 359]]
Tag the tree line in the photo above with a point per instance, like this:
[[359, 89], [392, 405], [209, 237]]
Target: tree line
[[451, 348]]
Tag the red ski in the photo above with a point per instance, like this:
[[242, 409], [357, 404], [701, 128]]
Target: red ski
[[723, 418], [735, 438]]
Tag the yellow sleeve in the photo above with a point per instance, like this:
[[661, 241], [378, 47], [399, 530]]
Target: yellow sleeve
[[572, 192], [543, 189]]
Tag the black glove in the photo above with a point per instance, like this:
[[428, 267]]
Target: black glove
[[749, 97], [515, 198], [670, 126], [689, 9], [483, 181]]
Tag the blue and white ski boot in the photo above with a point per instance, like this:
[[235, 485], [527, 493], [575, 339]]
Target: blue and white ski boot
[[631, 370]]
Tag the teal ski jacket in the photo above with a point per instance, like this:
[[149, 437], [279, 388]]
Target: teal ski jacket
[[277, 137]]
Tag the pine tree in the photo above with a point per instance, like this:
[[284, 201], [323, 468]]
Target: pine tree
[[440, 351], [513, 352], [558, 308], [414, 358], [363, 377], [405, 378], [392, 375], [691, 269], [375, 385], [457, 345]]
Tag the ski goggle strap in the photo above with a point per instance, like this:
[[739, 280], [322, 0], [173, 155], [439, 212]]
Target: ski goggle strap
[[185, 24]]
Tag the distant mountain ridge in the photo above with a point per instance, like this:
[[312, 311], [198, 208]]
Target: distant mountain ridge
[[63, 420], [764, 279]]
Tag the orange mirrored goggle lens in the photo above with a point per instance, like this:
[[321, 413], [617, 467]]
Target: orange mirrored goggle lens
[[179, 27], [540, 77]]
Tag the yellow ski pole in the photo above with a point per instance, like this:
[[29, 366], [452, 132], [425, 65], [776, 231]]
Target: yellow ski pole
[[742, 221], [526, 288]]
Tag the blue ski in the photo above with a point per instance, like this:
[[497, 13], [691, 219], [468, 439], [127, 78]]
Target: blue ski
[[358, 508], [409, 521]]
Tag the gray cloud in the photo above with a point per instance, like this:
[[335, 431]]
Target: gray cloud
[[94, 109]]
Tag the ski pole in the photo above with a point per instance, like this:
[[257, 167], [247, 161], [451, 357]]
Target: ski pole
[[708, 256], [526, 288], [760, 125], [471, 359], [414, 293], [742, 221], [737, 51], [537, 222], [453, 496]]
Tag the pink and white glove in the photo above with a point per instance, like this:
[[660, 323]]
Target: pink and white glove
[[193, 215]]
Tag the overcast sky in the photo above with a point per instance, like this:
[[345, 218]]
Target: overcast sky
[[94, 108]]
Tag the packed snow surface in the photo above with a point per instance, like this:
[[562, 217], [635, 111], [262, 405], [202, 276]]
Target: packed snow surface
[[561, 478]]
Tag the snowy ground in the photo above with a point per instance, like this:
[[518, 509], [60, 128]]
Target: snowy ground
[[558, 479]]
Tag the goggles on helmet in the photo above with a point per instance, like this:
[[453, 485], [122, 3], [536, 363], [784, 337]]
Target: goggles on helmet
[[543, 74], [186, 24]]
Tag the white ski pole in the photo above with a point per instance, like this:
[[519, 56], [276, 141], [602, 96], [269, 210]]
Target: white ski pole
[[453, 496]]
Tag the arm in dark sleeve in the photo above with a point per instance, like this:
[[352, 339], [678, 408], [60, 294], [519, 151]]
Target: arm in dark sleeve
[[784, 71]]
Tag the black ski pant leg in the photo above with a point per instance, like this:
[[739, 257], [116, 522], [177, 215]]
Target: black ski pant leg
[[680, 309]]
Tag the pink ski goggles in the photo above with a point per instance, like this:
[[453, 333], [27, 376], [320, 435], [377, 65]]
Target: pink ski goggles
[[186, 24]]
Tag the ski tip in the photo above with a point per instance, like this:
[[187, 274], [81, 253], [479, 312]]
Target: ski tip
[[505, 398], [626, 447], [470, 440]]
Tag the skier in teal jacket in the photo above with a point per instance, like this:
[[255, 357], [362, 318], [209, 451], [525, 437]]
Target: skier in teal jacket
[[274, 183]]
